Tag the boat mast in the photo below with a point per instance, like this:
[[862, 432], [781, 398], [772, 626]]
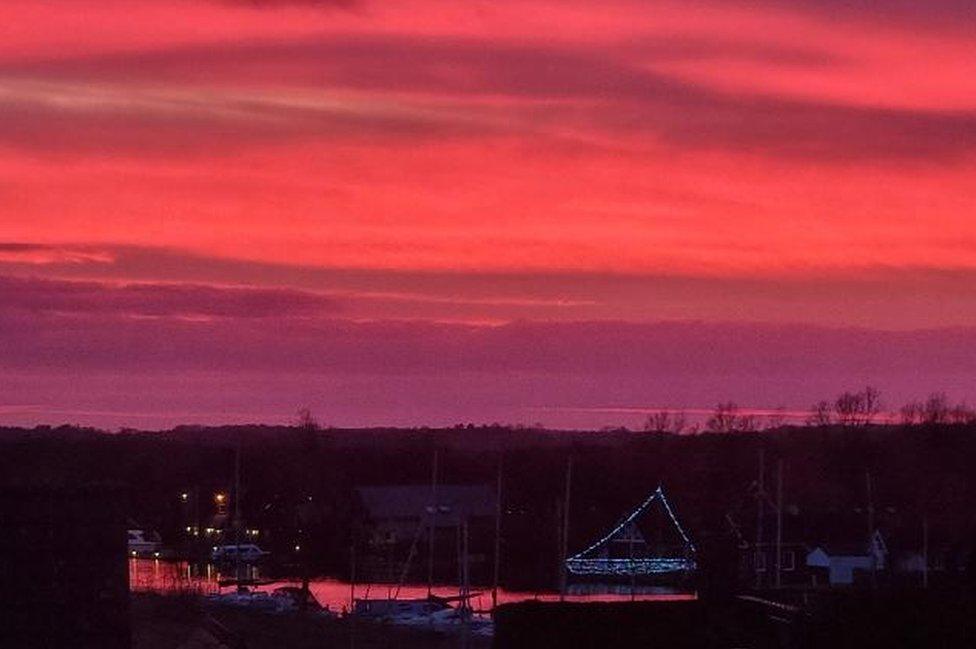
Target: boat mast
[[498, 533], [760, 495], [432, 526], [779, 523], [352, 576], [925, 550], [237, 515], [465, 604], [465, 574], [871, 529], [564, 550], [459, 549], [633, 572]]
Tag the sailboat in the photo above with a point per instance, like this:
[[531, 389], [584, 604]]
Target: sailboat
[[434, 613], [242, 555]]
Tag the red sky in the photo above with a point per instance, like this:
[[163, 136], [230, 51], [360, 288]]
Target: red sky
[[429, 212]]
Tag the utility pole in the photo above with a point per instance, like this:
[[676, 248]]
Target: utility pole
[[432, 526], [779, 523], [564, 550]]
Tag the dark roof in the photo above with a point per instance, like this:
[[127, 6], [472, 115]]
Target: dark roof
[[453, 501], [849, 546], [842, 549]]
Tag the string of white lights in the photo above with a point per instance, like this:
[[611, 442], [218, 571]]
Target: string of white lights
[[580, 564], [652, 566]]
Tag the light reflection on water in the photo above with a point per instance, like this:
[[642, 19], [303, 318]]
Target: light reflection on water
[[160, 576]]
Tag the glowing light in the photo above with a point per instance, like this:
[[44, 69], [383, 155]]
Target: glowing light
[[298, 548], [580, 564], [653, 566], [184, 496], [220, 498]]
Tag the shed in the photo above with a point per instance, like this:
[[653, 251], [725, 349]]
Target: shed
[[841, 562]]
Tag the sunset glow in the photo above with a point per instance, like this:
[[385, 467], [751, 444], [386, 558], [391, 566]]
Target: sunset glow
[[429, 212]]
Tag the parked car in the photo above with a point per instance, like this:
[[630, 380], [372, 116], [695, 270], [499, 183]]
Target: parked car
[[247, 552]]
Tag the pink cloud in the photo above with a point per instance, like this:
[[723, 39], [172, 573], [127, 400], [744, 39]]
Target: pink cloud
[[889, 299], [42, 297], [44, 255], [596, 93]]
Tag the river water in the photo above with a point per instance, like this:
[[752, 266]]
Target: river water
[[161, 576]]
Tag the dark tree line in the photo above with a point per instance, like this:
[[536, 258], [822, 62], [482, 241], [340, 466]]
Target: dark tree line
[[299, 481], [849, 409]]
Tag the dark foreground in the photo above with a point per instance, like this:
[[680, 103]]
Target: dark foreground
[[839, 620], [850, 620], [185, 622]]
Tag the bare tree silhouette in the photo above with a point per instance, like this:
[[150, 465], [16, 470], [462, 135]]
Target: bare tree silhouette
[[821, 414], [858, 408], [726, 418], [665, 421]]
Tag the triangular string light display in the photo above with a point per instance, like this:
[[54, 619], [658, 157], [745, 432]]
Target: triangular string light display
[[585, 563]]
